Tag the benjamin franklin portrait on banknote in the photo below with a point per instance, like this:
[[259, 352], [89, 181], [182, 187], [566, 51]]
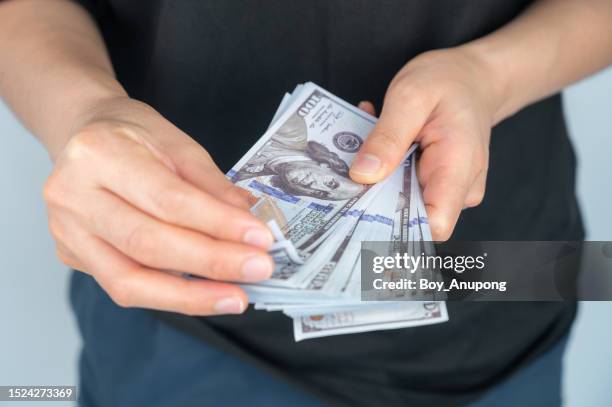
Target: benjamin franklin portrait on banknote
[[296, 166]]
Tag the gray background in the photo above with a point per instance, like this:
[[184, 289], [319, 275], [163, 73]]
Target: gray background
[[38, 337]]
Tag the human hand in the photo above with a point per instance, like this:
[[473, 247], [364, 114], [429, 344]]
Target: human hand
[[444, 101], [132, 197]]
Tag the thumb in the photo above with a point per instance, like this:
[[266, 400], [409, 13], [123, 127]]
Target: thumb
[[401, 119]]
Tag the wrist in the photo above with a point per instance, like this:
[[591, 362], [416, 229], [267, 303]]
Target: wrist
[[86, 101], [493, 81]]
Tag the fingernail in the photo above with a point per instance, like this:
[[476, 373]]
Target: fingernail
[[257, 269], [231, 305], [366, 164], [258, 237]]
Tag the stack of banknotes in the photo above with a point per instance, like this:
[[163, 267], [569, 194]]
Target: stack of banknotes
[[319, 217]]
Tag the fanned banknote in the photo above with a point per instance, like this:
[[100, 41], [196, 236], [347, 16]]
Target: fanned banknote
[[302, 163], [319, 217]]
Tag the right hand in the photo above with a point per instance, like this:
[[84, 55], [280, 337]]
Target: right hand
[[133, 201]]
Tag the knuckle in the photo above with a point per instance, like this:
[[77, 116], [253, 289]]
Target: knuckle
[[85, 144], [139, 241], [53, 190], [119, 292], [63, 257], [407, 91], [170, 202], [413, 95], [479, 198], [475, 199], [92, 140], [203, 153], [441, 229], [56, 230], [217, 267], [120, 128]]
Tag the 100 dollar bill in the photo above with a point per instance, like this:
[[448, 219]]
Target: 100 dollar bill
[[302, 163], [375, 318]]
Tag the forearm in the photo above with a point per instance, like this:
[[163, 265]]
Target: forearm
[[54, 66], [553, 44]]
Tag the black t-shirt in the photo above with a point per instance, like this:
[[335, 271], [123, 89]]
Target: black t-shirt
[[218, 69]]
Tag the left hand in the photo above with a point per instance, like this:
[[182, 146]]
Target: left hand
[[444, 101]]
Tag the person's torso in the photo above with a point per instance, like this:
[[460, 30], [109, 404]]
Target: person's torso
[[218, 69]]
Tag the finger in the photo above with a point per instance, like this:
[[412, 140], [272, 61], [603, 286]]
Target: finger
[[67, 257], [196, 166], [446, 174], [163, 246], [141, 179], [476, 192], [367, 107], [186, 158], [132, 285], [444, 196], [402, 117], [60, 230]]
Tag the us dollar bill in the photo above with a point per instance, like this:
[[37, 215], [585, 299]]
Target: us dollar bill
[[302, 163], [331, 276], [319, 218], [393, 316]]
